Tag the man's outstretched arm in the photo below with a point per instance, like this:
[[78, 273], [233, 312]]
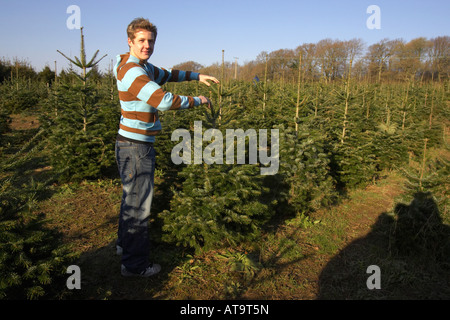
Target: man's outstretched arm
[[162, 76]]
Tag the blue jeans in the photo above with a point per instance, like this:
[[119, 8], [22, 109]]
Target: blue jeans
[[136, 163]]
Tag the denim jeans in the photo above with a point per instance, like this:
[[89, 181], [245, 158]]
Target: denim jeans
[[136, 163]]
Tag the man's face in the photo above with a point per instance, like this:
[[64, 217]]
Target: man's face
[[143, 44]]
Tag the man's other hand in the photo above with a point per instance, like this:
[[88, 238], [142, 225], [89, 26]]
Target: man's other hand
[[204, 79], [205, 100]]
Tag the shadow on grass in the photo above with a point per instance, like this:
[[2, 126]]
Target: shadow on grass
[[412, 249], [101, 278], [100, 268]]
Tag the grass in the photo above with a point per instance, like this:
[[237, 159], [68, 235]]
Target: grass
[[323, 255], [289, 263]]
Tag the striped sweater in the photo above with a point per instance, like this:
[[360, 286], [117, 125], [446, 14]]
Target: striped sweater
[[141, 96]]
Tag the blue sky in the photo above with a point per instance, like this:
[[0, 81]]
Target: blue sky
[[199, 30]]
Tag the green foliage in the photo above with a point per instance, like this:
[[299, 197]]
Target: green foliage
[[46, 75], [164, 145], [389, 146], [305, 166], [81, 62], [431, 176], [420, 227], [242, 263], [316, 162], [5, 119], [81, 124], [31, 256], [81, 131], [20, 96], [356, 161], [218, 205]]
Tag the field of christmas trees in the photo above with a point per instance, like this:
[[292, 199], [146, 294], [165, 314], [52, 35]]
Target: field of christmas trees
[[362, 180]]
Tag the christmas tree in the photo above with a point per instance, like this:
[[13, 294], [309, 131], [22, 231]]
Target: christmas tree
[[305, 166], [218, 204], [32, 258], [81, 124]]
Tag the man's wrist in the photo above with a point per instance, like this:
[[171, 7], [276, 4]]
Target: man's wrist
[[197, 101]]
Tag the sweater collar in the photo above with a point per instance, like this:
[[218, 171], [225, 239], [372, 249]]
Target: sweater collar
[[136, 60]]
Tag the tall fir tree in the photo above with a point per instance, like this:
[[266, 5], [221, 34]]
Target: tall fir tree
[[82, 124]]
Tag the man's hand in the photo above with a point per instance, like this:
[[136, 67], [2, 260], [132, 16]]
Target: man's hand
[[204, 79], [205, 100]]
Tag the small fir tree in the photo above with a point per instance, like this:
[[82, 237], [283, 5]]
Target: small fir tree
[[218, 204], [305, 166], [32, 258]]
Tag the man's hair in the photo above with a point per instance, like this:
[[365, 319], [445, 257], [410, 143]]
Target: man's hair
[[140, 23]]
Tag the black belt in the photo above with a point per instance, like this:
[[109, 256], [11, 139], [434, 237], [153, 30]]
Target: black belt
[[125, 139]]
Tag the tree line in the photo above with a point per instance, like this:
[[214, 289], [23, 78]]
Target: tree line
[[328, 60], [17, 71]]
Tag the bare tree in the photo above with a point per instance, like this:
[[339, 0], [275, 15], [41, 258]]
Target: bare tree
[[379, 55], [189, 66], [310, 63], [411, 57], [332, 55], [354, 48], [440, 52]]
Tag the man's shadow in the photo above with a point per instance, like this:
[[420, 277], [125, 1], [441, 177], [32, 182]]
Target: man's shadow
[[411, 247]]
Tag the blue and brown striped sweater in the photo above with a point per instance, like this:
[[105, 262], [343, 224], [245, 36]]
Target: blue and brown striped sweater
[[141, 96]]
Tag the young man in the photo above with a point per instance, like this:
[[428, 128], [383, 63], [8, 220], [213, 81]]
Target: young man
[[141, 97]]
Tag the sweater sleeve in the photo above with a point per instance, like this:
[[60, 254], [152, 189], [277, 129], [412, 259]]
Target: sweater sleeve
[[162, 75], [137, 84]]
